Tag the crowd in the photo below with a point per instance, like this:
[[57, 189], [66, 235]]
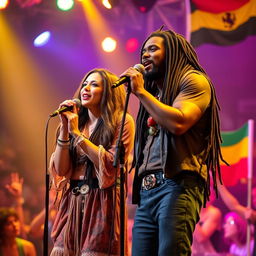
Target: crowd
[[218, 232]]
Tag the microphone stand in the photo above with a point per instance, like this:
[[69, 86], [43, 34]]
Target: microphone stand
[[47, 187], [119, 158]]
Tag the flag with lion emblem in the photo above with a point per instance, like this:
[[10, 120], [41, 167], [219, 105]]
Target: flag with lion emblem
[[222, 22]]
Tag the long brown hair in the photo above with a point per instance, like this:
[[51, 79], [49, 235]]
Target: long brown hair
[[111, 106]]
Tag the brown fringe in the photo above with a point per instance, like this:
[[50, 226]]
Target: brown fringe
[[57, 251], [97, 254], [72, 232]]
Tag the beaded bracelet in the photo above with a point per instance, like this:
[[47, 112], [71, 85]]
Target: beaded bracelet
[[79, 139]]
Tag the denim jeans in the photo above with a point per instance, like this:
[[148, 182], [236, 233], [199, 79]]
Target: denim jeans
[[166, 217]]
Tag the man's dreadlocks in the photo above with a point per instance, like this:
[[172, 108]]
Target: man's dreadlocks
[[180, 58]]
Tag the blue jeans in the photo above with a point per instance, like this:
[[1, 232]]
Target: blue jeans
[[166, 217]]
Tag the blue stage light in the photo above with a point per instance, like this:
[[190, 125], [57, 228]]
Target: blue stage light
[[42, 39]]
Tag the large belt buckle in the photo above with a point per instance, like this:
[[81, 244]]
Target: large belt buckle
[[84, 189], [149, 181]]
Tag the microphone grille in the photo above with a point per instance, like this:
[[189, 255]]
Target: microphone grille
[[78, 103], [140, 68]]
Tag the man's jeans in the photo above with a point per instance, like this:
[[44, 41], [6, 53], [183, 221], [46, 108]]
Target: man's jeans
[[166, 218]]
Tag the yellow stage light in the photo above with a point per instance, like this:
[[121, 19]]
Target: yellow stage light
[[3, 4], [108, 44], [106, 4], [109, 4]]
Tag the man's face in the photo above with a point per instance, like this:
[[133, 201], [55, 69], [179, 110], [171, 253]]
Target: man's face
[[153, 57]]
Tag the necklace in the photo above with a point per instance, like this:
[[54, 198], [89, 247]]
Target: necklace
[[151, 123]]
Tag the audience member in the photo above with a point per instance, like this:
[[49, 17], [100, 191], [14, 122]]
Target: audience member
[[235, 234], [208, 227], [10, 243]]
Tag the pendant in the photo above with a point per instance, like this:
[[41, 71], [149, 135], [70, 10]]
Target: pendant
[[152, 130]]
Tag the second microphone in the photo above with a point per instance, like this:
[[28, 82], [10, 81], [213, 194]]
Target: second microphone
[[124, 79]]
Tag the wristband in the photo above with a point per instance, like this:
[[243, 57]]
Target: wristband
[[63, 144], [63, 141]]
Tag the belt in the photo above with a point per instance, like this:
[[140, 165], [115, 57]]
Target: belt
[[189, 179], [81, 187], [152, 180]]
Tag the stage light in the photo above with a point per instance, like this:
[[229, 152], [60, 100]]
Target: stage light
[[108, 44], [42, 39], [144, 5], [109, 4], [106, 4], [3, 4], [132, 45], [65, 5]]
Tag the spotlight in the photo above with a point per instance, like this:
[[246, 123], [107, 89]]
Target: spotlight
[[132, 45], [109, 4], [3, 4], [144, 5], [42, 39], [65, 5], [108, 44]]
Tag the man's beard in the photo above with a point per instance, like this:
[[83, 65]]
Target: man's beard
[[155, 74]]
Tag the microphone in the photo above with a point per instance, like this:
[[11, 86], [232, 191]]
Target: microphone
[[66, 108], [125, 79]]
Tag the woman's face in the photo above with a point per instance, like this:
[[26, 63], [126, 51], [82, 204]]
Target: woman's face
[[230, 228], [92, 90], [12, 227]]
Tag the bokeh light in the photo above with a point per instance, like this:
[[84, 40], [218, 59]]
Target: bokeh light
[[132, 45], [65, 5], [42, 39], [107, 4], [3, 4], [109, 44]]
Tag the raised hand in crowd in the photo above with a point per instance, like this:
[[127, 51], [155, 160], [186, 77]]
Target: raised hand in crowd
[[16, 185], [15, 189]]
